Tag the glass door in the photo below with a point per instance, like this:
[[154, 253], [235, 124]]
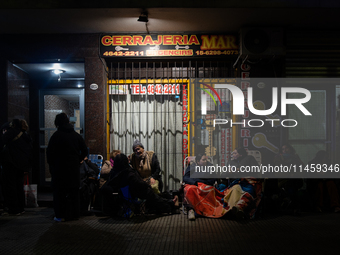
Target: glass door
[[51, 103]]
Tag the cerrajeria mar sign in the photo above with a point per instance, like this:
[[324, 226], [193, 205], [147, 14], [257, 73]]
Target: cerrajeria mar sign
[[168, 45]]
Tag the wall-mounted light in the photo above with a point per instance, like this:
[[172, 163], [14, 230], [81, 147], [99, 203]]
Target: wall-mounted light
[[143, 17], [58, 72]]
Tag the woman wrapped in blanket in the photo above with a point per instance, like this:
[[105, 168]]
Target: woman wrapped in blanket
[[195, 187], [243, 195]]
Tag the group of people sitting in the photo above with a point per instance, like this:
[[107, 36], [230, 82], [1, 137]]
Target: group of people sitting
[[76, 187], [141, 173], [213, 198]]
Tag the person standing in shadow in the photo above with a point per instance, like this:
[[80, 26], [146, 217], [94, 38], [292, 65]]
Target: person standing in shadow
[[66, 149], [16, 159]]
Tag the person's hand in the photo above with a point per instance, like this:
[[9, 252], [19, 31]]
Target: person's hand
[[81, 162], [152, 181]]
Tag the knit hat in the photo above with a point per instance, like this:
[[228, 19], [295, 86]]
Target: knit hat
[[137, 143]]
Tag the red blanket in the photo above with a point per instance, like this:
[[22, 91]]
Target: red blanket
[[205, 200], [209, 202]]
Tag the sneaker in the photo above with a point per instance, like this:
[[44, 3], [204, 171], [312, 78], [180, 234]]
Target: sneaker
[[191, 214], [58, 219]]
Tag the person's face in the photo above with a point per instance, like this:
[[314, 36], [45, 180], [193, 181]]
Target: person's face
[[138, 150], [203, 161], [285, 150], [235, 155], [115, 154]]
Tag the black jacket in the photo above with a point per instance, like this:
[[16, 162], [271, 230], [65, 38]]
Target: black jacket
[[130, 176], [66, 149]]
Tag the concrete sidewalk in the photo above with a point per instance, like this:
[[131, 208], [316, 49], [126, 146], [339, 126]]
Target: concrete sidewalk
[[35, 232]]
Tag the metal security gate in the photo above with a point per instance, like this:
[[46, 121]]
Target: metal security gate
[[146, 103]]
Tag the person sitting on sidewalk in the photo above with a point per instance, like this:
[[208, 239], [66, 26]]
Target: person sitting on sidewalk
[[147, 165], [127, 176], [243, 195], [196, 190]]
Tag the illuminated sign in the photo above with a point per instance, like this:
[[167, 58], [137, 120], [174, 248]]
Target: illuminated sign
[[155, 89], [168, 45]]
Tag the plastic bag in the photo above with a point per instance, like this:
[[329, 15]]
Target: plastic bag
[[31, 195]]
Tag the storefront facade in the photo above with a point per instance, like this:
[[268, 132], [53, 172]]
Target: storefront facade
[[149, 87], [136, 85]]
